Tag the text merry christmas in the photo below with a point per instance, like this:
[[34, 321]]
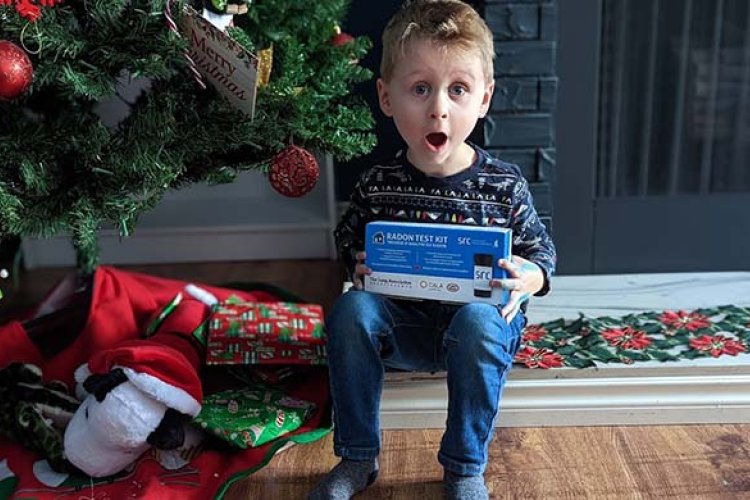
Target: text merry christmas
[[225, 64]]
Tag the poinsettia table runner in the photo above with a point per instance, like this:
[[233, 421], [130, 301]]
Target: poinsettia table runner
[[648, 336]]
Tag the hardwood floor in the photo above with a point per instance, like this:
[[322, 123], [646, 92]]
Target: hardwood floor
[[650, 462], [686, 462]]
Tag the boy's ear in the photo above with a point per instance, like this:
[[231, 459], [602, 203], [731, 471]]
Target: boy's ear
[[383, 98], [487, 98]]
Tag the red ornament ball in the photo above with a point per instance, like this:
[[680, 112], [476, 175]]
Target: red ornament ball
[[16, 71], [340, 38], [294, 172]]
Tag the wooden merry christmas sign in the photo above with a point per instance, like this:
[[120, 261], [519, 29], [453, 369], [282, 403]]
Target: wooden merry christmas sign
[[231, 69]]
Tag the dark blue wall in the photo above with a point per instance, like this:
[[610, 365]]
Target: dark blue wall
[[368, 18]]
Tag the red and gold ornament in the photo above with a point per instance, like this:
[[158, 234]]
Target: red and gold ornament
[[340, 38], [16, 71], [294, 172]]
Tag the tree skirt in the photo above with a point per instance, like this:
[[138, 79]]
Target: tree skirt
[[649, 336], [121, 307]]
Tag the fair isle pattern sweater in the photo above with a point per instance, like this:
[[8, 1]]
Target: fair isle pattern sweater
[[489, 193]]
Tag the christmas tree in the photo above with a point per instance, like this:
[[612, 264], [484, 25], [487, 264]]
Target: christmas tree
[[65, 168]]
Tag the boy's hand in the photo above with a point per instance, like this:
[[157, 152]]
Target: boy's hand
[[524, 279], [360, 270]]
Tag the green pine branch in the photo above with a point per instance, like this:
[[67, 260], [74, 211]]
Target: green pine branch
[[65, 168]]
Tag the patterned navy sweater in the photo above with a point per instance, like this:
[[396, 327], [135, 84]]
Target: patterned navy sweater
[[489, 193]]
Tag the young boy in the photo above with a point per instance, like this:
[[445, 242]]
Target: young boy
[[436, 82]]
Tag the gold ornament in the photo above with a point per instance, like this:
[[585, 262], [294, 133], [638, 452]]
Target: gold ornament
[[265, 63]]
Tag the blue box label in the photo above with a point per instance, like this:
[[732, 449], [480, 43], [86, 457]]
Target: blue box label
[[450, 263]]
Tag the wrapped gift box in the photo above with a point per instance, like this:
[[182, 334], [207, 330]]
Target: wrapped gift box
[[266, 333], [250, 417]]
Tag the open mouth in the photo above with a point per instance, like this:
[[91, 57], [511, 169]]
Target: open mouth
[[437, 139]]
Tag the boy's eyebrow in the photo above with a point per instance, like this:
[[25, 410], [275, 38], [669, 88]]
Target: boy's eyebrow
[[461, 73], [466, 74], [416, 72]]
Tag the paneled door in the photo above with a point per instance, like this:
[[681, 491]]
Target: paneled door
[[653, 169]]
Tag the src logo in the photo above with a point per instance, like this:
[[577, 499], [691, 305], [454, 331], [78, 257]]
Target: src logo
[[482, 274]]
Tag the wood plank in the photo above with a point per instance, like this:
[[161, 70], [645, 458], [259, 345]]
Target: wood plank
[[698, 462]]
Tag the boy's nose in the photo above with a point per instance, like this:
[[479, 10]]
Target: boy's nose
[[439, 109]]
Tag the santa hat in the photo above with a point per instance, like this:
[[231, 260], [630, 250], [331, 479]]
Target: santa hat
[[160, 371]]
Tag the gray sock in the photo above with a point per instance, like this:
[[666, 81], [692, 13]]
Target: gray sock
[[458, 487], [346, 479]]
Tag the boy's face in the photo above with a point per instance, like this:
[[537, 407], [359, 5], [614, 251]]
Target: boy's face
[[435, 98]]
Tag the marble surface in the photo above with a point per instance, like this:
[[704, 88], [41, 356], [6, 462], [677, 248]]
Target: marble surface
[[621, 294]]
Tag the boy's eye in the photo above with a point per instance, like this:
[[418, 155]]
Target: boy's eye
[[458, 90], [421, 89]]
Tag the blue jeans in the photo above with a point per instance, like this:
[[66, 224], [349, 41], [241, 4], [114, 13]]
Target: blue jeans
[[473, 343]]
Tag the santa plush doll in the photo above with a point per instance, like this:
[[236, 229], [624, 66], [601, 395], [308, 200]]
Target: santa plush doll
[[139, 394]]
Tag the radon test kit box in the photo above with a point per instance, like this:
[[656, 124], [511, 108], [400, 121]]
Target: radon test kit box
[[449, 263]]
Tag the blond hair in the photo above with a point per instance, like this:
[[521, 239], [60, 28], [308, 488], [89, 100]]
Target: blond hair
[[449, 23]]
